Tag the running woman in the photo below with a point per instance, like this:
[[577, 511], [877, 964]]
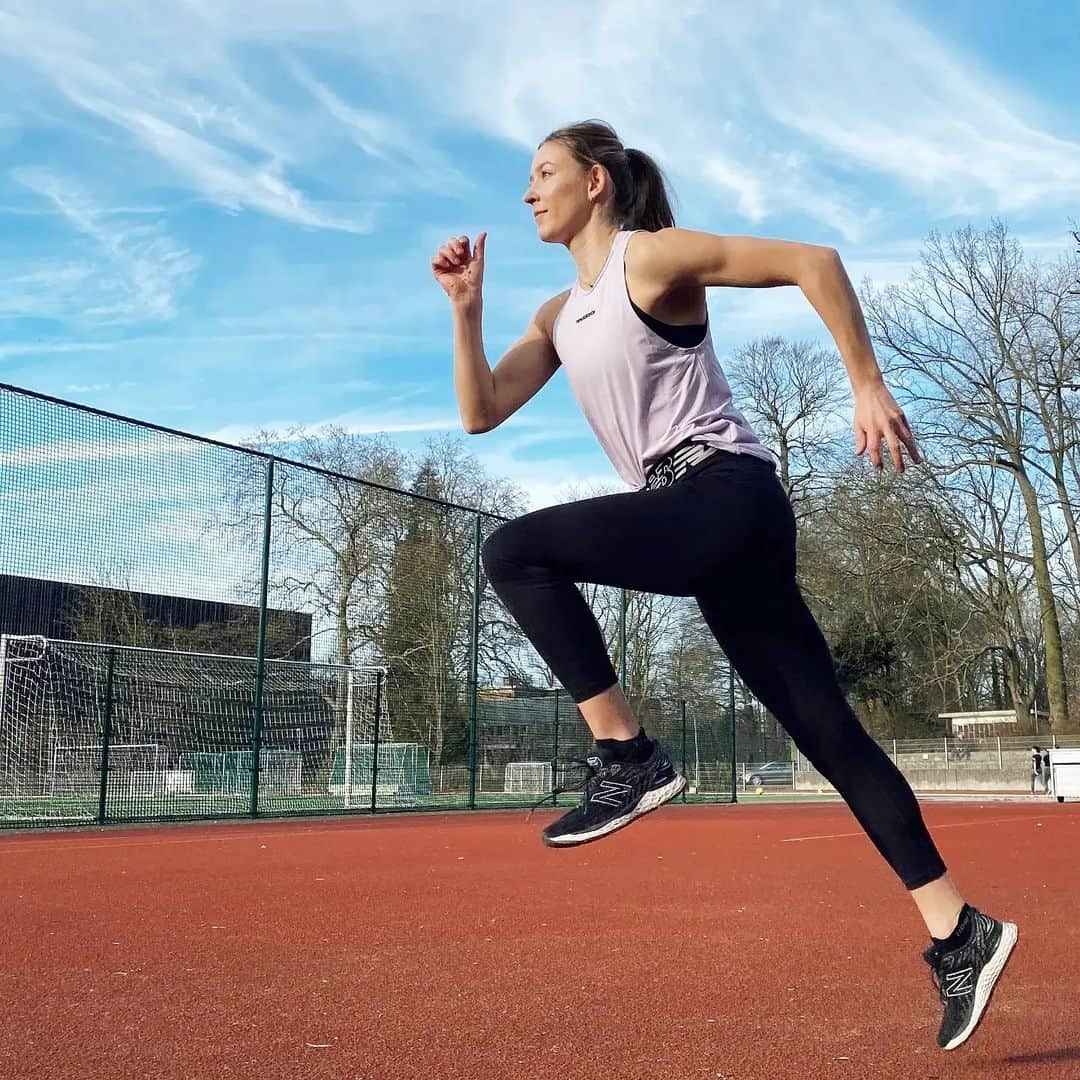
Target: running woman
[[708, 517]]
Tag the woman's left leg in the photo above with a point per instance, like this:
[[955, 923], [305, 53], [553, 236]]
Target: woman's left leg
[[651, 541], [647, 541]]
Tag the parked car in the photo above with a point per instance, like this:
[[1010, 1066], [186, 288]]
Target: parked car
[[772, 772]]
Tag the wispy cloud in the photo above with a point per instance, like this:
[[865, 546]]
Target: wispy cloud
[[768, 105], [376, 421], [933, 122], [133, 271], [95, 450], [244, 206], [174, 86], [773, 98], [386, 138], [46, 298]]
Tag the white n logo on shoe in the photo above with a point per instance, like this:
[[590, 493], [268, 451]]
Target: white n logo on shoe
[[958, 983], [609, 793]]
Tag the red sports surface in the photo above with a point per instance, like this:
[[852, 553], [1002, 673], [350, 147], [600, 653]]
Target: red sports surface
[[728, 942]]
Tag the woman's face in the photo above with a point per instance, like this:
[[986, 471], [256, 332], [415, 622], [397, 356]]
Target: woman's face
[[559, 193]]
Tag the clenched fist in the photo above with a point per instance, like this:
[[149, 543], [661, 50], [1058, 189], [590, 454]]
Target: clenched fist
[[459, 270]]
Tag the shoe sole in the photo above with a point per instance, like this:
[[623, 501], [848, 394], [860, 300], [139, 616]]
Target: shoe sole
[[987, 979], [648, 802]]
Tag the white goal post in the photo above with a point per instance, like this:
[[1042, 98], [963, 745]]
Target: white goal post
[[528, 778], [187, 718]]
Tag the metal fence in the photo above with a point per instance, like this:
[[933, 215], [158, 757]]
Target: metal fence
[[193, 629], [999, 763], [183, 622]]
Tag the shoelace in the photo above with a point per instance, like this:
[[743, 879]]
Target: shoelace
[[933, 957], [586, 791]]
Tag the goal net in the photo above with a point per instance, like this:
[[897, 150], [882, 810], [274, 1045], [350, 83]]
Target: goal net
[[75, 771], [396, 773], [180, 729], [528, 777]]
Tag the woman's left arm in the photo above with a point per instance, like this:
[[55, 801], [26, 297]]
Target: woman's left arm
[[674, 258]]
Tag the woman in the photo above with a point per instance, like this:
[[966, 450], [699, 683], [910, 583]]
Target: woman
[[709, 517]]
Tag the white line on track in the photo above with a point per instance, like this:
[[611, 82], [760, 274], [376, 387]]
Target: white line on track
[[932, 828]]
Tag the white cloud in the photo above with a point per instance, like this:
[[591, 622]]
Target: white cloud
[[871, 84], [171, 83], [375, 421], [385, 138], [134, 272], [759, 103], [100, 450]]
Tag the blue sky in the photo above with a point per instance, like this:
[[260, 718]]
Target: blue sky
[[219, 216]]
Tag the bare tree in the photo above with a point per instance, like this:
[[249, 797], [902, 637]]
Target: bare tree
[[958, 330], [985, 547], [790, 392], [331, 535], [1047, 312], [110, 613], [428, 633]]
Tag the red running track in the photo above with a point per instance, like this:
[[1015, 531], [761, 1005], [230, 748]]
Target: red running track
[[717, 942]]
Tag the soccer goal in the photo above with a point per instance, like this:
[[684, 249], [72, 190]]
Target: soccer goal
[[180, 728], [228, 772], [396, 772], [75, 771], [528, 778]]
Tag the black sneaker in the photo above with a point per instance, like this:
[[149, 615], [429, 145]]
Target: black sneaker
[[965, 976], [616, 792]]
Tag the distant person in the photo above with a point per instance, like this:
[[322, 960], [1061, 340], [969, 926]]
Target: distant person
[[1046, 772], [708, 517], [1037, 769]]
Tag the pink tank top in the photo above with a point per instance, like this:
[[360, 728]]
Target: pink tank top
[[641, 395]]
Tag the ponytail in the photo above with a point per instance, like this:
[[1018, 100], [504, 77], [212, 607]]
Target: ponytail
[[641, 195], [649, 207]]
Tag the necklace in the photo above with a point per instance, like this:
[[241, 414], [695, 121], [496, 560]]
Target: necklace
[[589, 284]]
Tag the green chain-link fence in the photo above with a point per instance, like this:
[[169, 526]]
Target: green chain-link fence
[[191, 629]]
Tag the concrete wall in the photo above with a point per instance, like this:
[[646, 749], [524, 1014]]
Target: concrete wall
[[983, 769], [938, 779]]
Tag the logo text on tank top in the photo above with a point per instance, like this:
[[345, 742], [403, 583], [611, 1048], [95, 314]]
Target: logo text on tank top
[[585, 316]]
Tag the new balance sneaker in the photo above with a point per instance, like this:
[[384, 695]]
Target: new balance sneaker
[[965, 976], [616, 792]]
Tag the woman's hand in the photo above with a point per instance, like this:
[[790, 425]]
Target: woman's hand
[[877, 417], [459, 271]]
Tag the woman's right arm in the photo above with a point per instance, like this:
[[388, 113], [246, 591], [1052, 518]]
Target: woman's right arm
[[485, 397]]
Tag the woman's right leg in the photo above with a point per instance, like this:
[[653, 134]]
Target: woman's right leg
[[758, 615]]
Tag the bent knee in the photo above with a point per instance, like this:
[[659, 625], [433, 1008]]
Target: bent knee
[[502, 551]]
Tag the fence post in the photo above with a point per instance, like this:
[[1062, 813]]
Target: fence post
[[946, 751], [555, 747], [8, 771], [375, 744], [1001, 767], [731, 709], [683, 711], [346, 785], [260, 644], [106, 736], [474, 664], [895, 761]]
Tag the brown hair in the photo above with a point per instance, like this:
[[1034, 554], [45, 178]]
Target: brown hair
[[641, 196]]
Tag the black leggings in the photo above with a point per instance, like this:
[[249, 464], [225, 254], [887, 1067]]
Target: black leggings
[[723, 533]]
